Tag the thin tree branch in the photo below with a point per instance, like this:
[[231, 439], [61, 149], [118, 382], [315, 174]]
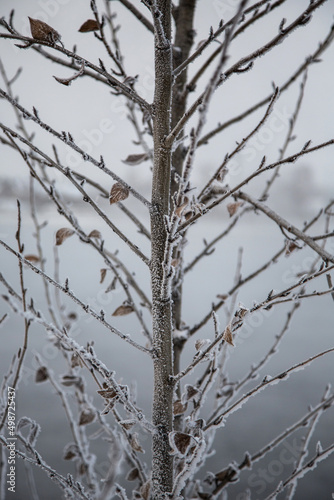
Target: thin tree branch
[[288, 226]]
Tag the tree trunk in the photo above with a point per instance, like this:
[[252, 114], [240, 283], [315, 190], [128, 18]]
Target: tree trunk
[[162, 467]]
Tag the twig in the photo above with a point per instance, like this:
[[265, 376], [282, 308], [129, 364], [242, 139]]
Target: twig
[[75, 299], [288, 226], [266, 382]]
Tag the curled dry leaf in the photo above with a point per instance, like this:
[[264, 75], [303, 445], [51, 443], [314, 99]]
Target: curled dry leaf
[[41, 374], [95, 234], [71, 451], [233, 207], [123, 310], [189, 392], [228, 337], [86, 416], [145, 490], [107, 393], [62, 234], [89, 25], [179, 407], [32, 258], [75, 360], [133, 160], [180, 442], [43, 32], [290, 246], [134, 443], [118, 193], [179, 210], [200, 343], [103, 273], [69, 80], [133, 474]]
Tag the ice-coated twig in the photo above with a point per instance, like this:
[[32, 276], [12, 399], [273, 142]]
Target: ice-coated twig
[[308, 61], [67, 140], [67, 484], [240, 145], [138, 14], [265, 383], [281, 222], [68, 174], [110, 79], [307, 419], [75, 299], [301, 20]]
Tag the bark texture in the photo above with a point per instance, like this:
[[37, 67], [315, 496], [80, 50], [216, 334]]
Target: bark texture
[[162, 471]]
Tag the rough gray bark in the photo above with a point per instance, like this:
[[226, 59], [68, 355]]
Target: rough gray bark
[[162, 467]]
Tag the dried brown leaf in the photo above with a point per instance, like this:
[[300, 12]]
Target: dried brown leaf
[[107, 393], [228, 337], [222, 296], [118, 193], [103, 273], [86, 416], [290, 246], [134, 443], [145, 490], [136, 159], [75, 360], [71, 451], [62, 234], [233, 207], [190, 392], [133, 474], [32, 258], [123, 310], [179, 210], [179, 407], [201, 343], [89, 25], [180, 442], [43, 32], [41, 374], [95, 234]]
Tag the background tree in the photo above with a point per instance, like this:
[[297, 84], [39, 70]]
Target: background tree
[[193, 394]]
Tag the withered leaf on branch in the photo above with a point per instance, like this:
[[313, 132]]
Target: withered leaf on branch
[[41, 374], [228, 337], [86, 416], [32, 258], [95, 234], [135, 159], [103, 274], [43, 32], [123, 310], [233, 207], [179, 407], [145, 490], [189, 392], [180, 442], [133, 474], [62, 234], [107, 393], [89, 25], [71, 451], [118, 193], [134, 443], [69, 80]]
